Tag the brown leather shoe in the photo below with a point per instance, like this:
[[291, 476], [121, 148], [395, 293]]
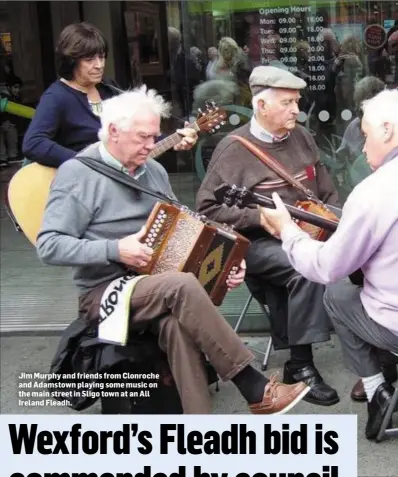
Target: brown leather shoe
[[390, 373], [358, 392], [279, 398]]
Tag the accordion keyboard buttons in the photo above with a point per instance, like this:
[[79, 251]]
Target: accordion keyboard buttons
[[156, 228]]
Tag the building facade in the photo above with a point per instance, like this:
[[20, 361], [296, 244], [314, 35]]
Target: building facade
[[193, 51]]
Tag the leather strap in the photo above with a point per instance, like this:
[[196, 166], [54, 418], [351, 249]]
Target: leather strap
[[274, 165], [119, 176]]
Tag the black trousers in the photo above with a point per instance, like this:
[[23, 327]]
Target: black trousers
[[298, 314]]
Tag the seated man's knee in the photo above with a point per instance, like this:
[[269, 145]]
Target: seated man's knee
[[184, 281], [295, 278], [333, 298], [168, 326]]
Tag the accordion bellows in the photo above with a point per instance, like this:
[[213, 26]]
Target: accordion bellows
[[183, 241]]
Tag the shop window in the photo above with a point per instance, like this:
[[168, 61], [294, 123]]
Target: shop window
[[332, 45], [142, 21]]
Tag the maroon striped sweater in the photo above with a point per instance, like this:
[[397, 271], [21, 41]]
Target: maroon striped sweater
[[232, 163]]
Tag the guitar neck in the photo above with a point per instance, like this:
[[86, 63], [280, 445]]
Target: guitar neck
[[168, 143], [299, 214]]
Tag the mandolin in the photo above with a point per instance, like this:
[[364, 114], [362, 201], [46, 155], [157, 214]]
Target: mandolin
[[242, 197], [29, 188]]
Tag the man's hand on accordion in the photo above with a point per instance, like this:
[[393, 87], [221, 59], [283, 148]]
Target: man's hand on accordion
[[237, 278], [134, 253]]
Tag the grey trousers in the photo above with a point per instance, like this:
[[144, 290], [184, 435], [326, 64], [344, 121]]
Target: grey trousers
[[188, 325], [298, 315], [360, 336]]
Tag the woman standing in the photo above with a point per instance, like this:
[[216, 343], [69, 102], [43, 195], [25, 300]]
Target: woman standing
[[67, 116]]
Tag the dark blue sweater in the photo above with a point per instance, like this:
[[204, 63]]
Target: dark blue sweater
[[63, 124]]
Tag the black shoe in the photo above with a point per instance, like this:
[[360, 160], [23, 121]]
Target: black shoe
[[320, 393], [377, 409], [390, 372]]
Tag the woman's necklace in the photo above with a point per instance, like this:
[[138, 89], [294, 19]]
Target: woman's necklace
[[93, 95], [75, 85]]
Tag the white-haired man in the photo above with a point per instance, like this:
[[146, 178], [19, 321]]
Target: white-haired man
[[95, 224], [365, 318], [298, 316]]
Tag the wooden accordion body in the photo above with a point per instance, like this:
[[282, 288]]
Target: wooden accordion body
[[317, 233], [183, 241]]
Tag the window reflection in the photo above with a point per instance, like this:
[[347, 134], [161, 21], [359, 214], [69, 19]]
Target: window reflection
[[332, 47], [143, 32]]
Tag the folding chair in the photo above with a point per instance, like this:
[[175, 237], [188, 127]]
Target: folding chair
[[384, 432], [265, 310]]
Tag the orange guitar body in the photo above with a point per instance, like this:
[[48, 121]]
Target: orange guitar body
[[317, 233]]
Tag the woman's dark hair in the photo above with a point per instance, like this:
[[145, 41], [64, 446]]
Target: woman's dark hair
[[77, 41]]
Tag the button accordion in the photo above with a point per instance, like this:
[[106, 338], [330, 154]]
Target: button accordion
[[184, 241]]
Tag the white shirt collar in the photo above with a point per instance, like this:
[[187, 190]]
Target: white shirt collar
[[111, 161], [262, 134]]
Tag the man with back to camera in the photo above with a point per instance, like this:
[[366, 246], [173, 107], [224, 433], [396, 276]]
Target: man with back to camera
[[365, 318]]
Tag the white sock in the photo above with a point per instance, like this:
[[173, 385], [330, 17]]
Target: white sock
[[371, 383]]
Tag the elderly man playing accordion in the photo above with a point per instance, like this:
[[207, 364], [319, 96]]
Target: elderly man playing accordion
[[365, 317], [96, 225]]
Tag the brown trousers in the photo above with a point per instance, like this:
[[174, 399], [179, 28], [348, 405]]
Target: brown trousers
[[188, 325]]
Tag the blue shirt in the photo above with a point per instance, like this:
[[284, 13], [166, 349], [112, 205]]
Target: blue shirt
[[63, 124]]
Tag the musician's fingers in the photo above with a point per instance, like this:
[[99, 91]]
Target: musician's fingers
[[188, 133], [181, 146], [141, 233], [236, 279], [145, 252], [233, 282], [187, 142], [275, 234], [141, 261], [240, 274], [268, 216], [268, 222], [280, 206], [138, 256]]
